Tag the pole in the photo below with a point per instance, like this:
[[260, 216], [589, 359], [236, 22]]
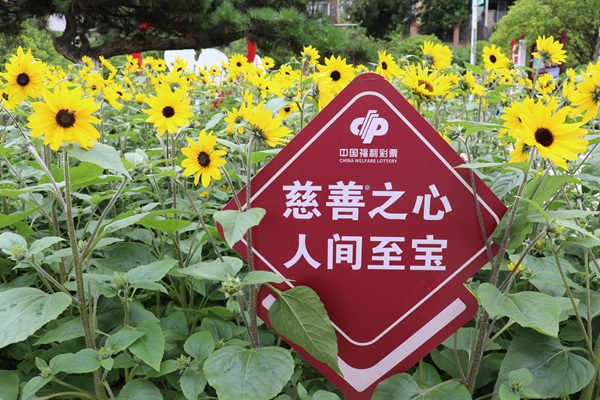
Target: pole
[[473, 32]]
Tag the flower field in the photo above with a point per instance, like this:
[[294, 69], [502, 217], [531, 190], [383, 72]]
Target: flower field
[[116, 284]]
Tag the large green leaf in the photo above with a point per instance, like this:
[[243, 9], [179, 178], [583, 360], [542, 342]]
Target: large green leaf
[[10, 241], [200, 345], [34, 384], [44, 243], [299, 315], [6, 220], [236, 223], [529, 309], [404, 387], [150, 347], [122, 339], [215, 270], [150, 273], [250, 374], [192, 383], [557, 370], [101, 154], [25, 310], [139, 389], [68, 329], [84, 361], [9, 386]]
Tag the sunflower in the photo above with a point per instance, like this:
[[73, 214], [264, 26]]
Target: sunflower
[[64, 117], [520, 152], [288, 109], [549, 50], [310, 55], [338, 72], [322, 90], [493, 58], [424, 84], [263, 125], [268, 63], [168, 109], [235, 119], [237, 62], [386, 66], [7, 100], [586, 98], [203, 159], [436, 56], [545, 84], [24, 76], [554, 139], [512, 115], [267, 86]]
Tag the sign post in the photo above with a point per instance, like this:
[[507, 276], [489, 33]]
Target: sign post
[[367, 207]]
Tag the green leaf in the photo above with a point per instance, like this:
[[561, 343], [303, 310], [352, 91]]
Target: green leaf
[[192, 383], [150, 347], [200, 345], [9, 388], [299, 315], [25, 310], [529, 309], [260, 277], [150, 273], [250, 374], [215, 270], [236, 223], [522, 375], [34, 384], [323, 395], [68, 329], [123, 339], [9, 241], [101, 154], [82, 362], [508, 180], [404, 387], [43, 243], [165, 225], [140, 389], [557, 371], [7, 220]]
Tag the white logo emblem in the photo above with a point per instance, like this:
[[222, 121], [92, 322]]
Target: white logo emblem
[[369, 127]]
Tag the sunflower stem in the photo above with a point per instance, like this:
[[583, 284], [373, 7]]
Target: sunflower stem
[[253, 311], [475, 361], [78, 266]]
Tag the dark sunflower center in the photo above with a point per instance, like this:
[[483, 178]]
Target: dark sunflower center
[[335, 76], [203, 159], [428, 85], [239, 64], [120, 93], [5, 96], [383, 65], [596, 94], [168, 111], [65, 118], [544, 137], [23, 79], [493, 58], [94, 87], [287, 109]]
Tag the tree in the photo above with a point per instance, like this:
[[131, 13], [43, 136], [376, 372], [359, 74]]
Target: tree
[[532, 18], [380, 17], [115, 27], [439, 17]]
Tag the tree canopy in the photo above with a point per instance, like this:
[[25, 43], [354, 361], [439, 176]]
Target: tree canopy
[[114, 27], [532, 18]]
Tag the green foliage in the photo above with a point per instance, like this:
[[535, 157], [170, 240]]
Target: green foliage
[[32, 37], [439, 17], [400, 46], [533, 18]]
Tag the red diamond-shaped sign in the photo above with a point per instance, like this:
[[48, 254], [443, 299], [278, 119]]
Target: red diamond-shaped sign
[[366, 206]]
